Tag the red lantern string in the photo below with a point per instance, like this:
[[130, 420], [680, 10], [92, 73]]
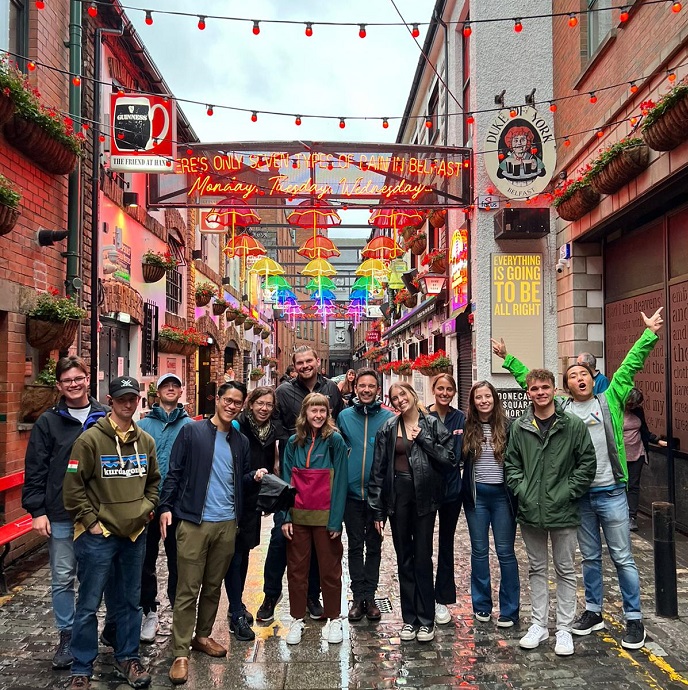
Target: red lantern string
[[342, 123], [553, 107], [385, 123], [210, 111], [470, 119], [149, 18], [31, 65], [518, 26], [573, 20], [309, 29], [201, 22], [256, 28], [254, 116], [40, 5], [676, 7], [76, 80], [623, 15], [92, 10], [467, 31], [362, 30], [297, 121], [633, 87], [593, 97], [415, 31]]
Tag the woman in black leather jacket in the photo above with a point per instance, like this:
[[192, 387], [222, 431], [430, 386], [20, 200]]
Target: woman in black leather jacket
[[413, 452]]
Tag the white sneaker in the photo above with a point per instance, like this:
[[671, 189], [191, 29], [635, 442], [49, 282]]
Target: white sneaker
[[426, 633], [150, 627], [442, 615], [536, 634], [295, 631], [332, 631], [564, 643], [408, 633]]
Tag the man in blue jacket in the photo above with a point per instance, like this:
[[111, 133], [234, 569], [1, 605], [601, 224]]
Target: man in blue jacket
[[163, 423], [209, 470], [358, 425]]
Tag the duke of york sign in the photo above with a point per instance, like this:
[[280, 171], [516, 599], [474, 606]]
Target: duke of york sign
[[521, 153]]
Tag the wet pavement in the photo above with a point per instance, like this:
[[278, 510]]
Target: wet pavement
[[465, 654]]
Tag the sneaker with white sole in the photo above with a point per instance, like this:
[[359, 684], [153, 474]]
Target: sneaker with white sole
[[536, 634], [295, 631], [482, 616], [587, 622], [564, 643], [150, 627], [408, 633], [442, 615], [332, 631], [504, 622], [426, 633]]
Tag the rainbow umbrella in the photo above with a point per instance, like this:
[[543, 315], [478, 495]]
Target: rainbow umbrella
[[318, 267], [273, 282], [321, 282], [382, 247], [372, 267], [232, 212], [318, 247]]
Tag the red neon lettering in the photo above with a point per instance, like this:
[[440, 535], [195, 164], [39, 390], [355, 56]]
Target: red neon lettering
[[204, 186], [279, 186]]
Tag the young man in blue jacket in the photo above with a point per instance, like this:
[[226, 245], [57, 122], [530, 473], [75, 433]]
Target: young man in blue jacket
[[209, 470], [164, 422], [358, 425]]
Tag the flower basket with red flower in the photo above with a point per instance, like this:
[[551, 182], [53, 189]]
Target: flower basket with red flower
[[204, 292], [256, 373], [665, 123], [618, 165], [154, 265], [416, 243], [177, 341], [403, 367], [574, 199], [53, 322], [406, 298], [9, 205], [436, 260], [431, 365], [219, 306]]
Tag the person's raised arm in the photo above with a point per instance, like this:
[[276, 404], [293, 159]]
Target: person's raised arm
[[511, 364]]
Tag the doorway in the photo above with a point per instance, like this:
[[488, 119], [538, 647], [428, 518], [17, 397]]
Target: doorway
[[113, 357], [207, 388]]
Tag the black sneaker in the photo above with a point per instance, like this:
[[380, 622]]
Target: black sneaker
[[133, 672], [315, 609], [635, 635], [248, 615], [241, 629], [108, 636], [266, 612], [587, 622], [63, 654]]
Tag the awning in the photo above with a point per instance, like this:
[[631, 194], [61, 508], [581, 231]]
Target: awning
[[421, 312]]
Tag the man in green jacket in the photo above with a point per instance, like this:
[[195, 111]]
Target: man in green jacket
[[549, 464], [604, 507]]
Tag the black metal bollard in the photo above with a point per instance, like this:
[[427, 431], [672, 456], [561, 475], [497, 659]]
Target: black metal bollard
[[666, 600]]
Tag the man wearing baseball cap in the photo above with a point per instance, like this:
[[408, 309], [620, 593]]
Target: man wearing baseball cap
[[111, 492], [163, 423]]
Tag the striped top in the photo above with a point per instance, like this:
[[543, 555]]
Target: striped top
[[487, 469]]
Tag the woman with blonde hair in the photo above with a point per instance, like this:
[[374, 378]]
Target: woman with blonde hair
[[488, 502], [413, 452], [315, 464]]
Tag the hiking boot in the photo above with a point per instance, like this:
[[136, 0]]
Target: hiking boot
[[150, 627], [564, 643], [635, 635], [133, 672], [357, 610], [295, 631], [266, 612], [426, 633], [241, 629], [315, 609], [536, 634], [63, 654], [80, 683], [587, 622], [372, 610], [442, 615]]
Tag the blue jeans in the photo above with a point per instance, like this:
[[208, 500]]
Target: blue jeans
[[492, 508], [99, 558], [608, 510], [63, 573]]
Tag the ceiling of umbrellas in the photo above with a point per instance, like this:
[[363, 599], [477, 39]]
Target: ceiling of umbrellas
[[373, 273]]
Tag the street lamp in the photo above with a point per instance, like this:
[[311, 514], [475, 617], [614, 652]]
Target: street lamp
[[432, 283]]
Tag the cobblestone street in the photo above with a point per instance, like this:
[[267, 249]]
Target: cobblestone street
[[465, 654]]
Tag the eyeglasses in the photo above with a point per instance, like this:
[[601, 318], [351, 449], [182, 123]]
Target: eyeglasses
[[78, 380], [264, 405], [230, 402]]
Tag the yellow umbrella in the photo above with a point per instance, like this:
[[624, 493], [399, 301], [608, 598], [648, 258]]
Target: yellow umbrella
[[267, 267], [319, 267], [372, 267]]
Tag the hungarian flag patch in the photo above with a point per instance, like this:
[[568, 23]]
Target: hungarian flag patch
[[72, 466]]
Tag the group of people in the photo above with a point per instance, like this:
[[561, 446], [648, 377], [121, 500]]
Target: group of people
[[106, 490]]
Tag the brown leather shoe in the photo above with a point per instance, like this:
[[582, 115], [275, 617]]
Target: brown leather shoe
[[210, 647], [357, 610], [179, 673], [372, 610]]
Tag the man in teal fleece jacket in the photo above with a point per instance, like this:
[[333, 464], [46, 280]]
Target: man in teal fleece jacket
[[358, 425], [604, 505]]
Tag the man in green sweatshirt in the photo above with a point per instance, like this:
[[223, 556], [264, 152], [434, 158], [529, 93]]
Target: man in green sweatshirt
[[111, 492]]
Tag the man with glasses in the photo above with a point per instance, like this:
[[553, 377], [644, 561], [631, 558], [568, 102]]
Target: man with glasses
[[164, 422], [47, 454], [209, 471]]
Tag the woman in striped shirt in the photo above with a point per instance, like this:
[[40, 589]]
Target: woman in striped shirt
[[488, 503]]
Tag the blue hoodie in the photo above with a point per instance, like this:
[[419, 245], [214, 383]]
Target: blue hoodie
[[164, 428], [358, 425]]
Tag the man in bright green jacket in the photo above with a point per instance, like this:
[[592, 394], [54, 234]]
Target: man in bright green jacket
[[604, 505]]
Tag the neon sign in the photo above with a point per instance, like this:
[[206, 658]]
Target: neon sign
[[458, 269]]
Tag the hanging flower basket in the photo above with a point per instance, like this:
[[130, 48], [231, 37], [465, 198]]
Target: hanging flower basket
[[240, 318], [408, 232], [258, 329], [249, 323], [266, 333], [8, 218], [625, 163], [174, 347], [256, 374], [439, 265], [438, 218], [6, 108], [37, 144], [204, 292], [50, 335], [666, 123], [152, 273], [581, 201], [219, 307], [35, 400]]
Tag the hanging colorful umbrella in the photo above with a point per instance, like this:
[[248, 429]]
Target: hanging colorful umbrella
[[323, 295], [321, 282], [319, 267], [274, 282], [314, 214], [370, 283], [372, 267], [267, 267], [318, 247], [382, 247], [395, 216], [233, 212], [244, 245]]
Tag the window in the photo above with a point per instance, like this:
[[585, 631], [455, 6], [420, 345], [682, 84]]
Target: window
[[599, 23], [14, 29], [174, 291], [149, 347], [433, 105]]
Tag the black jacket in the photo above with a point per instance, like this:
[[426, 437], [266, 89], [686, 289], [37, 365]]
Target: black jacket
[[47, 455], [290, 395], [262, 454], [431, 457], [187, 480], [646, 435]]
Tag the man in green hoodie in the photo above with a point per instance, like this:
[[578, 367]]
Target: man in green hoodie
[[111, 491], [164, 422]]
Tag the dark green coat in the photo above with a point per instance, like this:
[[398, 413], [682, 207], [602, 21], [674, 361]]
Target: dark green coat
[[548, 475]]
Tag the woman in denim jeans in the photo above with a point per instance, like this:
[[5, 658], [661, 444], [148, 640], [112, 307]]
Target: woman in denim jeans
[[487, 503]]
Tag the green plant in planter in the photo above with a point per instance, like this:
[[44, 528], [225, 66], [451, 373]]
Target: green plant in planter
[[190, 336], [220, 302], [608, 155], [205, 290], [9, 196], [256, 373], [653, 111], [46, 376], [567, 190], [51, 307], [166, 260]]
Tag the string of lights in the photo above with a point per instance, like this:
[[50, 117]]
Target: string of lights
[[202, 20]]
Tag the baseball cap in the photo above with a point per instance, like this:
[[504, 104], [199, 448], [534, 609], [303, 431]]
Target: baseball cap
[[124, 385], [167, 377]]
